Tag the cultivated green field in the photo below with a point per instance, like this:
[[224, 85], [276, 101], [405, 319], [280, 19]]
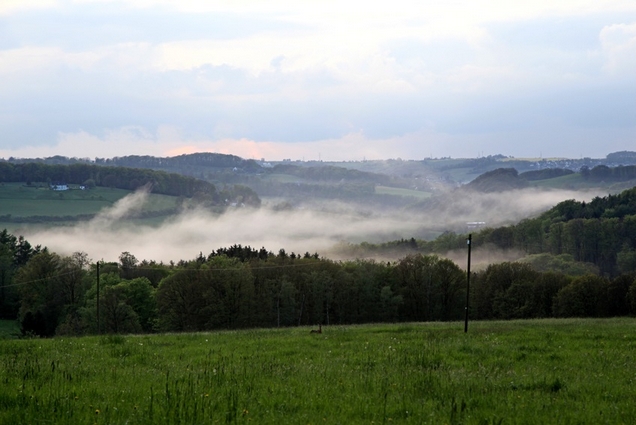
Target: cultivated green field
[[518, 372], [385, 190], [19, 201]]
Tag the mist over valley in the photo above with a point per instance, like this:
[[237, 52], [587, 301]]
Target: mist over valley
[[311, 226]]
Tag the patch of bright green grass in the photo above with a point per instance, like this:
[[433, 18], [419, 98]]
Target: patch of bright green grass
[[518, 372], [385, 190]]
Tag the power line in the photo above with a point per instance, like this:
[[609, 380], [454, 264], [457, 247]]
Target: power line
[[39, 280], [200, 270]]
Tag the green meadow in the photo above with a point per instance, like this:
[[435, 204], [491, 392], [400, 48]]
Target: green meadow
[[385, 190], [578, 371], [21, 202]]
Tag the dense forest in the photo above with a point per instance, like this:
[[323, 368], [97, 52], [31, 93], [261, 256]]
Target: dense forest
[[491, 162], [597, 236], [578, 260], [502, 179], [203, 159], [179, 162], [239, 287], [117, 177]]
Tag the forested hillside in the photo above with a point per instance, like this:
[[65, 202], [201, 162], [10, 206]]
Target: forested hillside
[[498, 180], [117, 177], [605, 173], [159, 182], [363, 184], [503, 179], [297, 182], [484, 164], [240, 287], [601, 233], [184, 164], [548, 173]]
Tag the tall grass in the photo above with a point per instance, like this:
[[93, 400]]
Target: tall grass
[[548, 371]]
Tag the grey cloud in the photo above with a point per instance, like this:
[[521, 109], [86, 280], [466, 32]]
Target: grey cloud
[[539, 104]]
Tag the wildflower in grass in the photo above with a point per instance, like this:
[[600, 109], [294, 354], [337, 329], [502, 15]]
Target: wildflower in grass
[[97, 411]]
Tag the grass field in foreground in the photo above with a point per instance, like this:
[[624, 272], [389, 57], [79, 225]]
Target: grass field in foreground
[[518, 372]]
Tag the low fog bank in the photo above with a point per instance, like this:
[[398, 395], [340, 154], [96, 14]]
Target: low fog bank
[[316, 229], [481, 257], [496, 209]]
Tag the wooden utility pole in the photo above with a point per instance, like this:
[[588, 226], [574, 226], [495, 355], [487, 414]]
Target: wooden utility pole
[[99, 329], [468, 242]]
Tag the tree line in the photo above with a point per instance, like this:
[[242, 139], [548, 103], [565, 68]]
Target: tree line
[[241, 287], [601, 232], [503, 179], [126, 178], [183, 162], [609, 174], [116, 177]]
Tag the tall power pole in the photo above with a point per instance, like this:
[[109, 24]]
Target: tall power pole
[[99, 329], [468, 242]]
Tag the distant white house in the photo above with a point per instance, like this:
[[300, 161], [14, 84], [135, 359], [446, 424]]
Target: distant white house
[[59, 186]]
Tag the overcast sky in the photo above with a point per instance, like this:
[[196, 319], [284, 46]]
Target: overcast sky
[[330, 80]]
